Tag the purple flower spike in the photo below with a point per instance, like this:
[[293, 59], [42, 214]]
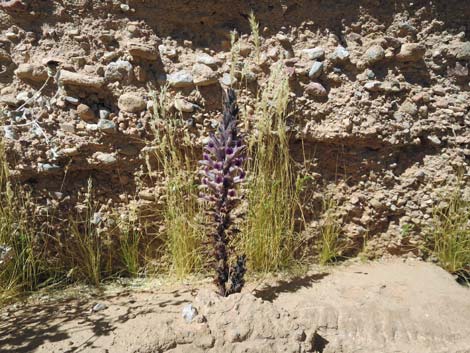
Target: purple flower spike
[[221, 171]]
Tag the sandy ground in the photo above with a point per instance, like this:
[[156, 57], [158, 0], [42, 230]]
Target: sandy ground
[[387, 306]]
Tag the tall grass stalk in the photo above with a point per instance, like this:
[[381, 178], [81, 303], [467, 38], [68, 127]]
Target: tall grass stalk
[[269, 238], [254, 26], [234, 55], [450, 233], [181, 212]]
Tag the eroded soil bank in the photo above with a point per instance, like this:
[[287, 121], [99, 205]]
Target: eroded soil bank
[[380, 99]]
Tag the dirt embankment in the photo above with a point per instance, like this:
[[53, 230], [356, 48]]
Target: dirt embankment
[[382, 307], [380, 97]]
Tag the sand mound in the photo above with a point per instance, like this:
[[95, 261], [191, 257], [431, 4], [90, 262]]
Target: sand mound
[[390, 306]]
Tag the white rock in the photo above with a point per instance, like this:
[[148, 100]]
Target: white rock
[[23, 96], [340, 54], [166, 51], [189, 312], [120, 70], [373, 86], [180, 79], [47, 167], [206, 59], [10, 133], [98, 307], [227, 79], [315, 70], [105, 158], [106, 126]]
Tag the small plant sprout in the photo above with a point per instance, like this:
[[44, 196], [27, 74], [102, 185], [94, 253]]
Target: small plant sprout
[[221, 170]]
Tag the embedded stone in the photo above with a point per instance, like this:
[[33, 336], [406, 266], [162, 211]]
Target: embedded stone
[[409, 108], [340, 54], [167, 51], [120, 70], [180, 79], [47, 167], [9, 99], [80, 80], [142, 51], [373, 86], [184, 106], [4, 56], [105, 158], [411, 52], [315, 89], [131, 103], [86, 113], [316, 53], [227, 79], [375, 54], [36, 73], [203, 75], [106, 126], [207, 59], [463, 52], [315, 70]]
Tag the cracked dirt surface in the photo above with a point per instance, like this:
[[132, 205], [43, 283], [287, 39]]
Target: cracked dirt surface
[[387, 306]]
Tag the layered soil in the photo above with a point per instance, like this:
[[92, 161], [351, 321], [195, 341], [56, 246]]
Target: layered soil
[[380, 99]]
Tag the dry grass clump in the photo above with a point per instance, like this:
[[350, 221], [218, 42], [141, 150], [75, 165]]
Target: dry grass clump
[[180, 212], [450, 233], [131, 239], [85, 248], [22, 264], [268, 235], [330, 244]]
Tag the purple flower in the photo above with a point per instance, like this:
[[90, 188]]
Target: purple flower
[[221, 170]]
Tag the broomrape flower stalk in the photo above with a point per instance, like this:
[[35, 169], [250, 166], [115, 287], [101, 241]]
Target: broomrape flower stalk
[[221, 170]]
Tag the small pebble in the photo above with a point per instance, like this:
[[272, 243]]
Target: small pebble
[[98, 307], [189, 312]]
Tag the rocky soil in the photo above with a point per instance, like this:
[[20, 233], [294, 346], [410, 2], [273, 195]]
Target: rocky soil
[[380, 97], [382, 307]]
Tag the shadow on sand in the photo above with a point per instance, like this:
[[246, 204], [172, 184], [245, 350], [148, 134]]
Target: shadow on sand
[[291, 285]]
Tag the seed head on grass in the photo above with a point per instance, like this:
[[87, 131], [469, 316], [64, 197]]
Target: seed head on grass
[[254, 26], [222, 170]]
